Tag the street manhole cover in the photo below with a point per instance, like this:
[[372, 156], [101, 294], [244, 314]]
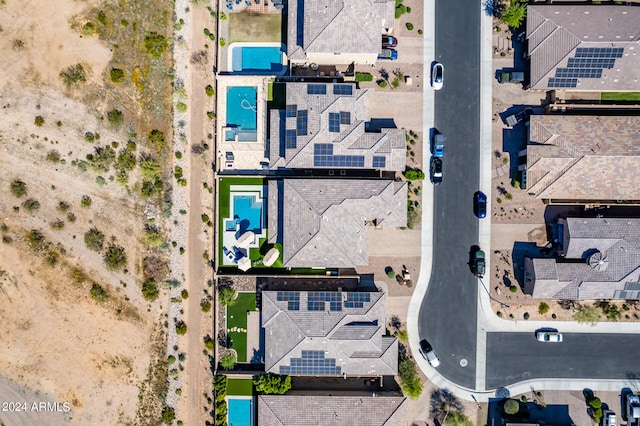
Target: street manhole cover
[[463, 362]]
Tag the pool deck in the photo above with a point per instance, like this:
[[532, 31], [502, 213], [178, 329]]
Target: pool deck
[[228, 237], [246, 155]]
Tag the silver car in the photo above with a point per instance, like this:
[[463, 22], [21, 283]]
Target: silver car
[[429, 354], [549, 336]]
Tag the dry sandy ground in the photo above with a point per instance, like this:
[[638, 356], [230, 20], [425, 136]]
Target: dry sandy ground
[[57, 343]]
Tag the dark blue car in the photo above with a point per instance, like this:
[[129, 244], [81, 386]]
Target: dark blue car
[[480, 204]]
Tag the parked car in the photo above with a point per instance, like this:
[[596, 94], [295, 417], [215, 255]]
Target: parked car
[[609, 418], [548, 336], [510, 77], [429, 354], [437, 76], [480, 204], [478, 263], [388, 55], [389, 41], [437, 145], [436, 170]]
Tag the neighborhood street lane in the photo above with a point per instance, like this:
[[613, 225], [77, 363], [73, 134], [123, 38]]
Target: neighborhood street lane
[[448, 313]]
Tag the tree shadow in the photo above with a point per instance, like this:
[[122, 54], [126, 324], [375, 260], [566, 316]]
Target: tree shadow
[[443, 402]]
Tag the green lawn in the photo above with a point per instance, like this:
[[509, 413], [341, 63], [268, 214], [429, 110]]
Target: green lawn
[[620, 96], [255, 27], [238, 342], [240, 387], [237, 317]]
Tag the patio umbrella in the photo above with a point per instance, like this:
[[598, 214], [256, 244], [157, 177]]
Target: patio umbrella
[[246, 239], [244, 264], [271, 257]]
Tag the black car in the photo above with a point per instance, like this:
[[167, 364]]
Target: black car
[[480, 204], [436, 170]]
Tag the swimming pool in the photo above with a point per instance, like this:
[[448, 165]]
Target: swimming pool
[[242, 107], [248, 209], [240, 412], [257, 59]]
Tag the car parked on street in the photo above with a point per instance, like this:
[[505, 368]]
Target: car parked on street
[[429, 354], [388, 55], [480, 205], [436, 170], [478, 262], [437, 76], [437, 145], [609, 418], [389, 41], [551, 336]]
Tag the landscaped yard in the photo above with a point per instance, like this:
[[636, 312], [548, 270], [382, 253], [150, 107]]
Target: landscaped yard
[[237, 319], [620, 96], [240, 387], [255, 27]]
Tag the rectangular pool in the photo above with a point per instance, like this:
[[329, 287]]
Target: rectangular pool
[[242, 107], [248, 209], [257, 59], [240, 412]]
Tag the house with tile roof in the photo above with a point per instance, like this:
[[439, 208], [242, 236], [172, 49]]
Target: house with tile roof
[[574, 159], [334, 32], [600, 259], [326, 222], [316, 410], [321, 333], [323, 126], [583, 47]]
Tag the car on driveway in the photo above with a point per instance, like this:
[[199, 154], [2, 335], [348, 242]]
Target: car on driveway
[[429, 354], [436, 170], [480, 204], [437, 76], [437, 145], [388, 55], [389, 41], [548, 336], [478, 263], [609, 418]]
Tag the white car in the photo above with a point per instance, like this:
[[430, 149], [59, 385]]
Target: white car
[[437, 76], [549, 336], [429, 354], [609, 418]]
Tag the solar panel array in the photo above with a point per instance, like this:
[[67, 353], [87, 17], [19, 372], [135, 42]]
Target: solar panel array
[[587, 63], [342, 89], [357, 300], [379, 161], [311, 363], [301, 122], [317, 89], [290, 139], [345, 117], [334, 122], [292, 110], [292, 297], [323, 157], [316, 300]]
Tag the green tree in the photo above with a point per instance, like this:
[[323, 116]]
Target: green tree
[[39, 121], [85, 201], [115, 257], [456, 418], [156, 138], [595, 402], [410, 382], [18, 188], [209, 90], [272, 384], [155, 44], [205, 305], [514, 14], [126, 160], [181, 328], [150, 290], [612, 312], [94, 239], [227, 362], [413, 174], [98, 293], [587, 315], [511, 407], [543, 308], [73, 75], [227, 296]]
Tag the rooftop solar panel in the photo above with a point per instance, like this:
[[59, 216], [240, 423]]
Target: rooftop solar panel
[[342, 89], [379, 162], [290, 139], [291, 110], [334, 122], [345, 117], [301, 122], [317, 89]]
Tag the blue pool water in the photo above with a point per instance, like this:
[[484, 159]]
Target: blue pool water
[[248, 208], [239, 412], [258, 59], [242, 107]]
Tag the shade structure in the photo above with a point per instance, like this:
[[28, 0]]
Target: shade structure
[[244, 264], [271, 257], [246, 240]]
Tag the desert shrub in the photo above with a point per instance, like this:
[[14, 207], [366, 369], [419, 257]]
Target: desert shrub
[[18, 188], [184, 294], [395, 83], [115, 117], [117, 75], [63, 206], [587, 314], [150, 290], [168, 415], [85, 201], [156, 139], [126, 160], [513, 289], [152, 236], [31, 204], [209, 90], [100, 180], [511, 407], [222, 42], [181, 328], [57, 224], [543, 308], [88, 29], [101, 159], [227, 362], [98, 293], [38, 121], [409, 26], [211, 115], [115, 257], [178, 155], [382, 83], [73, 75], [181, 107], [155, 44], [363, 76], [51, 258], [36, 240], [413, 174], [94, 239], [205, 305], [150, 168]]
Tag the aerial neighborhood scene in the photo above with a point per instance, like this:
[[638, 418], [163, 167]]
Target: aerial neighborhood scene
[[320, 212]]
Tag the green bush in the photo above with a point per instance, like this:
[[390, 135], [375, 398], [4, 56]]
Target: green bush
[[420, 32], [401, 9], [117, 75], [126, 160], [98, 293], [181, 328], [222, 42], [184, 294], [227, 296], [514, 14], [115, 117], [205, 305], [155, 44], [18, 188], [171, 359], [150, 290], [612, 312], [395, 83], [168, 415], [391, 273], [543, 308], [73, 75], [595, 402], [209, 344], [209, 90], [152, 236], [413, 174], [227, 362], [587, 314], [511, 407], [115, 257], [382, 84], [513, 289], [410, 382], [156, 139], [272, 384], [409, 26], [85, 201], [181, 107], [39, 121], [211, 115], [57, 224], [94, 239], [363, 76], [63, 206], [31, 204], [101, 159]]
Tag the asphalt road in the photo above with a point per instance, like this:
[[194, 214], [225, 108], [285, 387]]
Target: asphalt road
[[448, 314], [514, 357]]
